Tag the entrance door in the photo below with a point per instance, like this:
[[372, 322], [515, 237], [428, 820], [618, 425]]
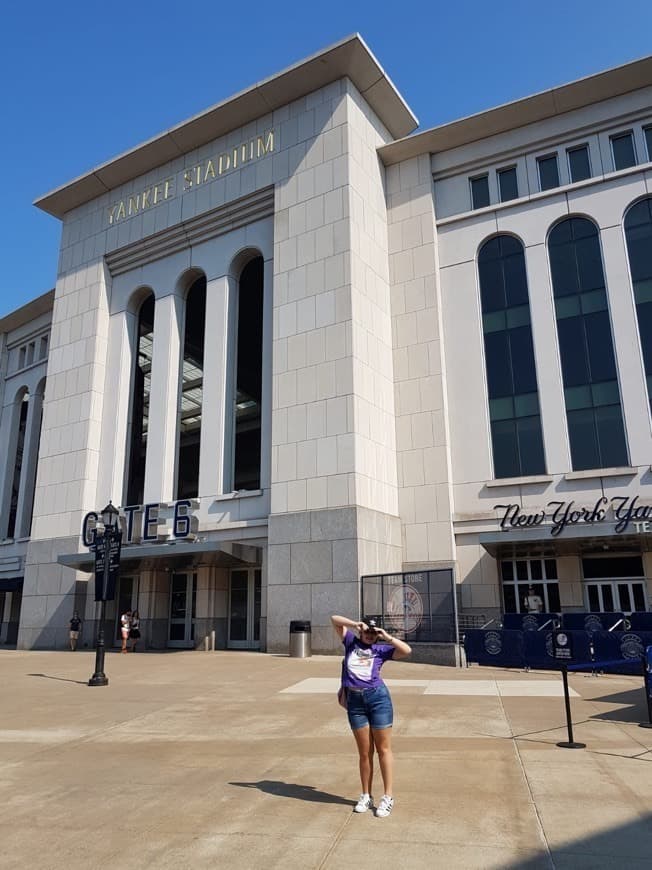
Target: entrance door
[[625, 595], [181, 626], [244, 609]]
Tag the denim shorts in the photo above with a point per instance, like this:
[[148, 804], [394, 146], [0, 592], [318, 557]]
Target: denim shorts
[[370, 707]]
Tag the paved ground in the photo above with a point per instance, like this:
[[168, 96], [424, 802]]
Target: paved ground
[[243, 760]]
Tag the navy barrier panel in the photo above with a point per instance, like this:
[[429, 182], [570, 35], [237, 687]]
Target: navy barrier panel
[[640, 621], [627, 645], [497, 648], [590, 621], [527, 621]]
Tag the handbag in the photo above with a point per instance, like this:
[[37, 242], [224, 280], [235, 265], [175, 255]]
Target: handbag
[[342, 697]]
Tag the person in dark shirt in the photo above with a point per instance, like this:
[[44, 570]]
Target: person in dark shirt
[[75, 628]]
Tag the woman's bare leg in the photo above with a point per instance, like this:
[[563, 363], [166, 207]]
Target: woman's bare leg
[[366, 757], [382, 738]]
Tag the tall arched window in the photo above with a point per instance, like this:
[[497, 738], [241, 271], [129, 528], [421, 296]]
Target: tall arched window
[[593, 410], [140, 402], [638, 232], [20, 422], [509, 356], [248, 378], [192, 390]]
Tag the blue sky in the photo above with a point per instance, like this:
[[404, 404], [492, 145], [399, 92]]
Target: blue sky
[[82, 82]]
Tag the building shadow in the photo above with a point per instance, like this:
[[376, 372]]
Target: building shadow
[[294, 790], [633, 706], [628, 845], [62, 679]]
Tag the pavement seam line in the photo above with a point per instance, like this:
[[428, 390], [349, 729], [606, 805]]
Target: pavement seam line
[[335, 842], [533, 804]]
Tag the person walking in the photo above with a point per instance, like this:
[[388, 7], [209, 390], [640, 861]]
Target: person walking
[[134, 629], [368, 702], [75, 628], [125, 628]]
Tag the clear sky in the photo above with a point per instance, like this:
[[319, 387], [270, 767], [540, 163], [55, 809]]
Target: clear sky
[[81, 82]]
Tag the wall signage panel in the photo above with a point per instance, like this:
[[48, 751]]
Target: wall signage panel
[[624, 511]]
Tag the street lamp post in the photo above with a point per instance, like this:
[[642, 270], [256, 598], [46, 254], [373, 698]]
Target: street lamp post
[[110, 533]]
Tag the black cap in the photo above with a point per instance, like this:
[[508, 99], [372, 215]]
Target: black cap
[[370, 622]]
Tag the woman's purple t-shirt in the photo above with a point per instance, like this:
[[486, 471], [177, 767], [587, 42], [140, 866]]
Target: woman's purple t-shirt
[[363, 661]]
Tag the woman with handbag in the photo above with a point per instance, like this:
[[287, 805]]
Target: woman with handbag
[[368, 702]]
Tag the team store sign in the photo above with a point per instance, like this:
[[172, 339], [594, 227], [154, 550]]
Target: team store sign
[[624, 511]]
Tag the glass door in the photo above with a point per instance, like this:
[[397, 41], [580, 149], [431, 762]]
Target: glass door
[[244, 608], [181, 626], [619, 595]]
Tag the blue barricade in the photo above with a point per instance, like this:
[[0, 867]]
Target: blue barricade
[[640, 621], [590, 621], [527, 621], [628, 646], [538, 649], [498, 648]]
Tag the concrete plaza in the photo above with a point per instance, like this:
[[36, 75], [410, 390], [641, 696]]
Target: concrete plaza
[[244, 760]]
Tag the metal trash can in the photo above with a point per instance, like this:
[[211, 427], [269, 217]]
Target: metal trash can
[[300, 639]]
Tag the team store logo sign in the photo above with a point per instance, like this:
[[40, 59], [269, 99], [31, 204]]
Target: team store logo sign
[[624, 511]]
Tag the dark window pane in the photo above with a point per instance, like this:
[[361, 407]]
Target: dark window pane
[[522, 357], [499, 365], [515, 279], [648, 142], [509, 597], [638, 232], [607, 598], [530, 443], [192, 391], [548, 172], [563, 266], [583, 440], [492, 288], [507, 570], [594, 600], [554, 605], [602, 365], [521, 570], [507, 184], [551, 569], [611, 436], [639, 596], [579, 164], [503, 439], [619, 566], [623, 151], [480, 191], [572, 349], [536, 569], [589, 263], [624, 600], [140, 402]]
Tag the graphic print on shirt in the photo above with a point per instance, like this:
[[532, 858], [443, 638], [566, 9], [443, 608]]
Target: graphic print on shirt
[[360, 663]]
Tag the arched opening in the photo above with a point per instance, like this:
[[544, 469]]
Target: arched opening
[[514, 413], [248, 371], [20, 422], [638, 234], [593, 409], [141, 389], [192, 391]]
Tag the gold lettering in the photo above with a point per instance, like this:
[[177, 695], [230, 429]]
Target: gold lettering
[[264, 147], [168, 188], [210, 171], [112, 214], [223, 164], [145, 199], [121, 211], [235, 158], [134, 204], [251, 149], [158, 193], [187, 179]]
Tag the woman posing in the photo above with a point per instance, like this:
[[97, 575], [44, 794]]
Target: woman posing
[[368, 702], [134, 630]]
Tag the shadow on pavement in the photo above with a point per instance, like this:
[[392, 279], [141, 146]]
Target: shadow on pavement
[[63, 679], [293, 790]]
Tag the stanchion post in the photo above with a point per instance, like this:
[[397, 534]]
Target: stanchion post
[[570, 743], [648, 697]]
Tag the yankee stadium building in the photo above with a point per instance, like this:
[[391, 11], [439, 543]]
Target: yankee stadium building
[[304, 349]]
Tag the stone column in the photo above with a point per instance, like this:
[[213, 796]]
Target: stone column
[[214, 403]]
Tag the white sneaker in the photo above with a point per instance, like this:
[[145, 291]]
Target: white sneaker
[[365, 802], [385, 806]]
